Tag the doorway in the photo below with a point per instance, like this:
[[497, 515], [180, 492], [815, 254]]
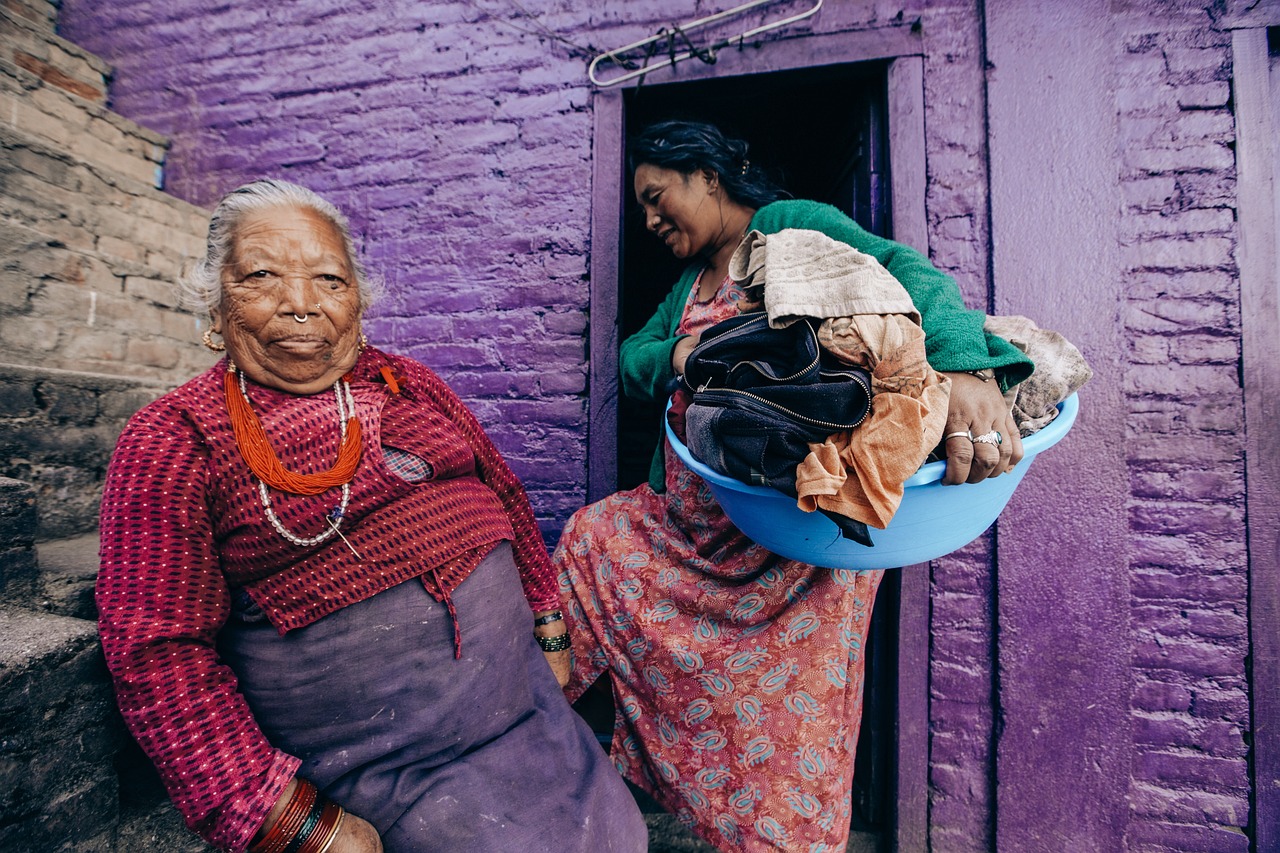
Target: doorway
[[823, 134]]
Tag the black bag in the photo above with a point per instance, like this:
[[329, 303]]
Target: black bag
[[762, 395]]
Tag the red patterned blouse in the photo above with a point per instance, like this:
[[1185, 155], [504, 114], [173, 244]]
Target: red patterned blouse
[[183, 526]]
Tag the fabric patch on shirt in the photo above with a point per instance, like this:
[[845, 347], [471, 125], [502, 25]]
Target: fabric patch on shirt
[[406, 465]]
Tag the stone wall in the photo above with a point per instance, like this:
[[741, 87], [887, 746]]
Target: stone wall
[[89, 249], [57, 431]]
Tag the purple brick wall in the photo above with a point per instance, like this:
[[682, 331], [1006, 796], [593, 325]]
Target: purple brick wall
[[459, 139], [1190, 698]]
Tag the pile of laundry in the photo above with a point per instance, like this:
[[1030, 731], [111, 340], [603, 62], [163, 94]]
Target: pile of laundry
[[810, 285]]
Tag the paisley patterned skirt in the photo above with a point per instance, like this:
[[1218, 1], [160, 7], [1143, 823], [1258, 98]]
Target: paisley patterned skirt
[[737, 675]]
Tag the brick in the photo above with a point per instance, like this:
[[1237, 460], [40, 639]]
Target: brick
[[1185, 518], [1204, 95], [1206, 252], [1158, 696], [1188, 657]]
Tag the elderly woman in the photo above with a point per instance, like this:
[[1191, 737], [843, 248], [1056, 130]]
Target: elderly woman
[[737, 675], [324, 600]]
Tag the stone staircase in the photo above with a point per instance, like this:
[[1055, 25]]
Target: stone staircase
[[71, 778], [90, 331]]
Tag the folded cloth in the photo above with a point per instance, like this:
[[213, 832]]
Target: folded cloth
[[1061, 370], [860, 473], [809, 274]]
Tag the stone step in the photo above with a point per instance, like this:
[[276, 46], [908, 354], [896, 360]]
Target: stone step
[[90, 257], [59, 734], [83, 128], [94, 209], [57, 431], [67, 570], [32, 44], [18, 572]]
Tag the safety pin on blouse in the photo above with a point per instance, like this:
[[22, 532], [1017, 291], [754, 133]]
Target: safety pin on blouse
[[335, 516]]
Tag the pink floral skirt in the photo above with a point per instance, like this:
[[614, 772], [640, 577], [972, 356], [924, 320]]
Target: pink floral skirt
[[737, 675]]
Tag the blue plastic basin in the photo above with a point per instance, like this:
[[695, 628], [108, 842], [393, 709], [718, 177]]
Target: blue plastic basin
[[933, 519]]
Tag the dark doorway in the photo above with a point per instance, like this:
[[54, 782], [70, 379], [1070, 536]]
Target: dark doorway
[[823, 133]]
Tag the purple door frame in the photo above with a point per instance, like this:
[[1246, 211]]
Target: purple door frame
[[907, 166], [1257, 93]]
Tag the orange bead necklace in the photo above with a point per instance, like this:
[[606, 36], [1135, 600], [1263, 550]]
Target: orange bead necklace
[[255, 448]]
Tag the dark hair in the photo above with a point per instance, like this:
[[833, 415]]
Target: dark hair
[[688, 146]]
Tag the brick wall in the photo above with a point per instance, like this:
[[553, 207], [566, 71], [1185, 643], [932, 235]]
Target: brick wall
[[89, 247], [1190, 700]]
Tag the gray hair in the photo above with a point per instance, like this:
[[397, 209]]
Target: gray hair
[[200, 286]]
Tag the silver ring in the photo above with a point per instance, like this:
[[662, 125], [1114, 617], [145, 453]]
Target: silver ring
[[964, 434], [992, 437], [301, 318]]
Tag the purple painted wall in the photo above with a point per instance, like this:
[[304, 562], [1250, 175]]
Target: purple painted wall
[[1088, 686]]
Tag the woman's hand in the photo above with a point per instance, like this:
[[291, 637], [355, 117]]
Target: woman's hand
[[559, 661], [978, 408], [680, 354]]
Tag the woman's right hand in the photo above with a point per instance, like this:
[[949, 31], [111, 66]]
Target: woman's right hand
[[356, 836], [680, 354]]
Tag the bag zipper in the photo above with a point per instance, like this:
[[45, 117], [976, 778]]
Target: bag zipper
[[750, 326], [804, 418]]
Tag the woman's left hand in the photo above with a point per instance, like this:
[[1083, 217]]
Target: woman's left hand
[[978, 408]]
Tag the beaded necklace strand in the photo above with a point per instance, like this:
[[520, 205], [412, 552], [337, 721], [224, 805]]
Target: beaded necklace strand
[[251, 440]]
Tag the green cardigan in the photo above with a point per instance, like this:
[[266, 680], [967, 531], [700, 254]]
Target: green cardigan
[[954, 337]]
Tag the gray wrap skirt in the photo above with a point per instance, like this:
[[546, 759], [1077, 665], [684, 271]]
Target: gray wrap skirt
[[478, 754]]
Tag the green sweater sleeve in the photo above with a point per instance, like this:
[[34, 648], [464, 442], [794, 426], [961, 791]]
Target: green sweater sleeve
[[644, 359], [954, 337]]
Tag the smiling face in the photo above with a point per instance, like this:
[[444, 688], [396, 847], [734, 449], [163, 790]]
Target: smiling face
[[683, 210], [287, 264]]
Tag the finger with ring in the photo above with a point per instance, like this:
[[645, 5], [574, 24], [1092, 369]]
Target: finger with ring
[[962, 434], [992, 437]]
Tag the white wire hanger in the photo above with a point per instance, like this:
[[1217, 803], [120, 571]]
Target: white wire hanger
[[707, 54]]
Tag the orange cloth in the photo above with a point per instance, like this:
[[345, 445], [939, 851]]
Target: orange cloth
[[859, 473]]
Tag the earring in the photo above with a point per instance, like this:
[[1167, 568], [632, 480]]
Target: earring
[[210, 342], [364, 342]]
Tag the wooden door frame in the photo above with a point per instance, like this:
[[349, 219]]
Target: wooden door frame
[[902, 48]]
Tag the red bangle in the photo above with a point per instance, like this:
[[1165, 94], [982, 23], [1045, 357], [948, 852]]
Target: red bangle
[[286, 826], [322, 836], [309, 826]]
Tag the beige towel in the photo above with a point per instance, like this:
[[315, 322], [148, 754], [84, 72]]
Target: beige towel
[[808, 274], [1061, 370]]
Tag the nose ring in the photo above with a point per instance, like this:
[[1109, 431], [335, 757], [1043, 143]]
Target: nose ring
[[301, 318]]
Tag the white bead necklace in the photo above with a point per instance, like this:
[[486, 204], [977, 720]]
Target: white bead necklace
[[346, 409]]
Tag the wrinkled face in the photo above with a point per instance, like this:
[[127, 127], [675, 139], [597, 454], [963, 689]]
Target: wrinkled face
[[681, 209], [290, 307]]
